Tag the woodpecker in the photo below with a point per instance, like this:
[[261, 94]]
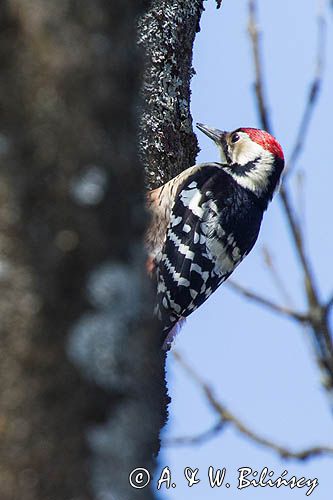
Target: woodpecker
[[207, 219]]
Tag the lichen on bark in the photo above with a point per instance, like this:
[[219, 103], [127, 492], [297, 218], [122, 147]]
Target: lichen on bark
[[167, 32]]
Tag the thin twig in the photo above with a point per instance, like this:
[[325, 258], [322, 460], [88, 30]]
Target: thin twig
[[329, 304], [310, 285], [278, 281], [316, 311], [259, 88], [301, 200], [265, 122], [227, 417], [285, 311], [199, 438]]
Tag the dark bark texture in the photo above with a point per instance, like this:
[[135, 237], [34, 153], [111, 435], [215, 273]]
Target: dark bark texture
[[72, 219], [168, 145], [82, 394]]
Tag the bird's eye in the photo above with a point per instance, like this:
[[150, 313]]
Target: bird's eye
[[235, 138]]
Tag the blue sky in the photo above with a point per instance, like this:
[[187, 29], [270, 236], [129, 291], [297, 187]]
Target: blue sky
[[260, 365]]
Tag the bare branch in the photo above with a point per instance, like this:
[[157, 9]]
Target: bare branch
[[265, 121], [317, 313], [313, 95], [329, 304], [227, 417], [315, 85], [301, 200], [285, 311], [297, 237], [278, 281], [259, 84]]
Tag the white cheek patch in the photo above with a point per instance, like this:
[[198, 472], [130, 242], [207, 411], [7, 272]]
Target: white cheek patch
[[246, 151], [257, 178]]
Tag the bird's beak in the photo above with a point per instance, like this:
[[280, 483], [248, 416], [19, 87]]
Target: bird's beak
[[219, 137], [212, 133]]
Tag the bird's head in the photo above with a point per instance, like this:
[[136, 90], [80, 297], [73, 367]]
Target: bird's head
[[251, 156]]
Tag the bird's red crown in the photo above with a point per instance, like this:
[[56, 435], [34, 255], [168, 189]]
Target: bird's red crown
[[266, 140]]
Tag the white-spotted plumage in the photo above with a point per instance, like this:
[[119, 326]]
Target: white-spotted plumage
[[207, 219]]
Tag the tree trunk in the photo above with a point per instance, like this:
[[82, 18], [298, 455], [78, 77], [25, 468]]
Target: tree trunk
[[83, 394], [167, 32], [72, 220]]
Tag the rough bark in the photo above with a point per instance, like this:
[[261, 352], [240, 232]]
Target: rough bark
[[167, 143], [72, 220], [167, 32]]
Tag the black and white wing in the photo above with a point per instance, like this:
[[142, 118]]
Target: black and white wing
[[211, 229]]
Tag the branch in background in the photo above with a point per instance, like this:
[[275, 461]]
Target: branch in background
[[313, 95], [297, 237], [269, 262], [300, 179], [265, 122], [218, 3], [329, 304], [199, 438], [314, 90], [285, 311], [317, 312], [259, 87], [226, 417]]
